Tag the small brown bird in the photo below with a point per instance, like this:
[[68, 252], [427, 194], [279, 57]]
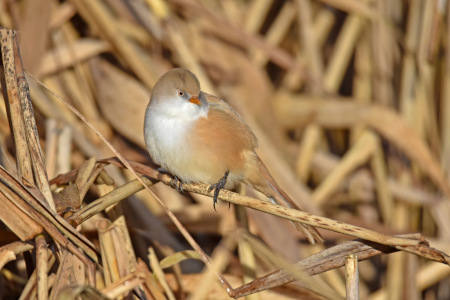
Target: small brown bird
[[199, 138]]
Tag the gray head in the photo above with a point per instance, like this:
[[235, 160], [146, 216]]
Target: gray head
[[177, 94]]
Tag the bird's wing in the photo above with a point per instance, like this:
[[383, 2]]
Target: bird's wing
[[218, 104]]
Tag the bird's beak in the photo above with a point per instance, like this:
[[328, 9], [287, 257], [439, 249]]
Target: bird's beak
[[195, 100]]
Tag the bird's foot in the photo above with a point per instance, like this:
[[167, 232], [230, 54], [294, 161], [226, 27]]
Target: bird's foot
[[175, 182], [217, 187]]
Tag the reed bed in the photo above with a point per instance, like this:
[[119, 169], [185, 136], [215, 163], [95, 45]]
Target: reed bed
[[350, 101]]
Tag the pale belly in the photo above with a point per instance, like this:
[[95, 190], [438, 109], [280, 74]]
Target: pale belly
[[168, 144]]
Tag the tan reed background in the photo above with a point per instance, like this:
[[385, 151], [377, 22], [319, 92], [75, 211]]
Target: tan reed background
[[350, 101]]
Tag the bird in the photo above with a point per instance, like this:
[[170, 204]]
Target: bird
[[199, 138]]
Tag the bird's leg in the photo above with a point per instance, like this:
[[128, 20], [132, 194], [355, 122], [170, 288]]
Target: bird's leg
[[175, 182], [217, 187]]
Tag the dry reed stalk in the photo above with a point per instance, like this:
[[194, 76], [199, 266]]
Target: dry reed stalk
[[219, 260], [141, 278], [294, 79], [30, 289], [385, 122], [324, 164], [355, 157], [314, 264], [10, 251], [352, 278], [51, 146], [186, 57], [19, 222], [117, 253], [71, 272], [246, 253], [20, 116], [396, 263], [257, 13], [308, 40], [277, 31], [290, 214], [41, 266], [315, 67], [113, 85], [354, 24], [363, 86], [383, 48], [445, 157], [309, 145], [157, 270], [351, 6], [98, 16], [69, 55], [315, 284]]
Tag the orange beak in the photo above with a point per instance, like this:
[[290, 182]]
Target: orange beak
[[195, 100]]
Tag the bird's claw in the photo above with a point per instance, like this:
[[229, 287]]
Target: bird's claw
[[217, 187], [177, 184]]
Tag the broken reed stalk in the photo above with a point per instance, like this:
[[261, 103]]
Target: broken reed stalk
[[10, 251], [352, 277], [21, 116], [41, 266], [328, 259], [31, 204]]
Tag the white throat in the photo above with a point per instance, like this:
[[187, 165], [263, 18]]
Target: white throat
[[178, 109]]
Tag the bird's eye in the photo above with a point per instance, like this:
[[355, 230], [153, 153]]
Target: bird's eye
[[180, 93]]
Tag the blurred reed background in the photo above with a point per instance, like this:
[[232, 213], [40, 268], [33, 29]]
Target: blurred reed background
[[349, 100]]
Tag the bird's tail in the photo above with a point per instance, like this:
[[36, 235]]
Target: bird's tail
[[274, 192]]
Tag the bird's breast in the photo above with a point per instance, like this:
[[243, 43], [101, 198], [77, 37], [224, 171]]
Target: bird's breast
[[165, 137]]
